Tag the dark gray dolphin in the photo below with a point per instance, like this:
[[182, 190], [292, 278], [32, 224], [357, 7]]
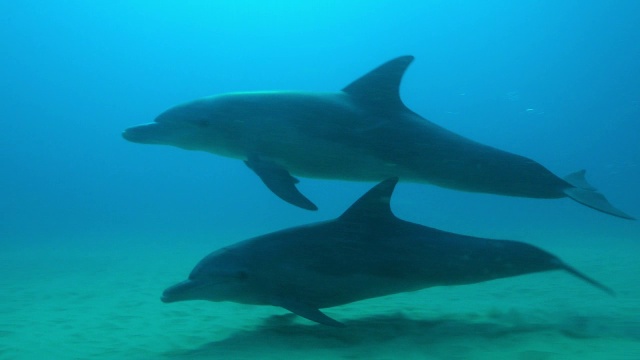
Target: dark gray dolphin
[[362, 133], [367, 252]]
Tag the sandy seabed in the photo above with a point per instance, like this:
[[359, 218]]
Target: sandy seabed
[[68, 303]]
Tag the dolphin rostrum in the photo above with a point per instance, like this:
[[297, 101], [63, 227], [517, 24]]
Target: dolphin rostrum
[[366, 252], [362, 133]]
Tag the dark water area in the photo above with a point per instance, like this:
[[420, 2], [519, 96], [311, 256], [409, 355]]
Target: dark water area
[[88, 219]]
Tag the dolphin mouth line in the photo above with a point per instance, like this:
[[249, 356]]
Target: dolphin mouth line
[[190, 286], [141, 135]]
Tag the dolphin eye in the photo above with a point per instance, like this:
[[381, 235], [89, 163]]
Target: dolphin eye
[[202, 123], [241, 275]]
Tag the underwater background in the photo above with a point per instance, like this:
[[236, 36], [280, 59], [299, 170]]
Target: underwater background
[[93, 228]]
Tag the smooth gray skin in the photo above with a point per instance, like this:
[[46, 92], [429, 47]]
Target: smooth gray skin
[[367, 252], [362, 133]]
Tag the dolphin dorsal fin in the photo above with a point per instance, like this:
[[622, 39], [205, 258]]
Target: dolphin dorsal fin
[[381, 86], [374, 205]]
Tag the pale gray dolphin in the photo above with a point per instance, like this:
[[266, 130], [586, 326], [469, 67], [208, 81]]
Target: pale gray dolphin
[[366, 252], [362, 133]]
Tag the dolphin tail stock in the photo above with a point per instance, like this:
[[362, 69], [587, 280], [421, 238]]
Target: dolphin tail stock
[[584, 277], [582, 192]]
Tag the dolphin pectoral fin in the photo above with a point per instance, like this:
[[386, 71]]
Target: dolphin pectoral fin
[[280, 182], [309, 313], [587, 195]]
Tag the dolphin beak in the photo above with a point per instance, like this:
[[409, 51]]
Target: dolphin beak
[[143, 134], [166, 298], [186, 290], [133, 134]]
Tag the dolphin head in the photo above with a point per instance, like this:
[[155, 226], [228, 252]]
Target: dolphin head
[[221, 276], [206, 124]]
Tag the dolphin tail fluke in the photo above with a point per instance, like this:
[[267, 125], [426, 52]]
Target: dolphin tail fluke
[[587, 195], [584, 277]]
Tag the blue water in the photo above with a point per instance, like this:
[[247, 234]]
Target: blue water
[[554, 81]]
